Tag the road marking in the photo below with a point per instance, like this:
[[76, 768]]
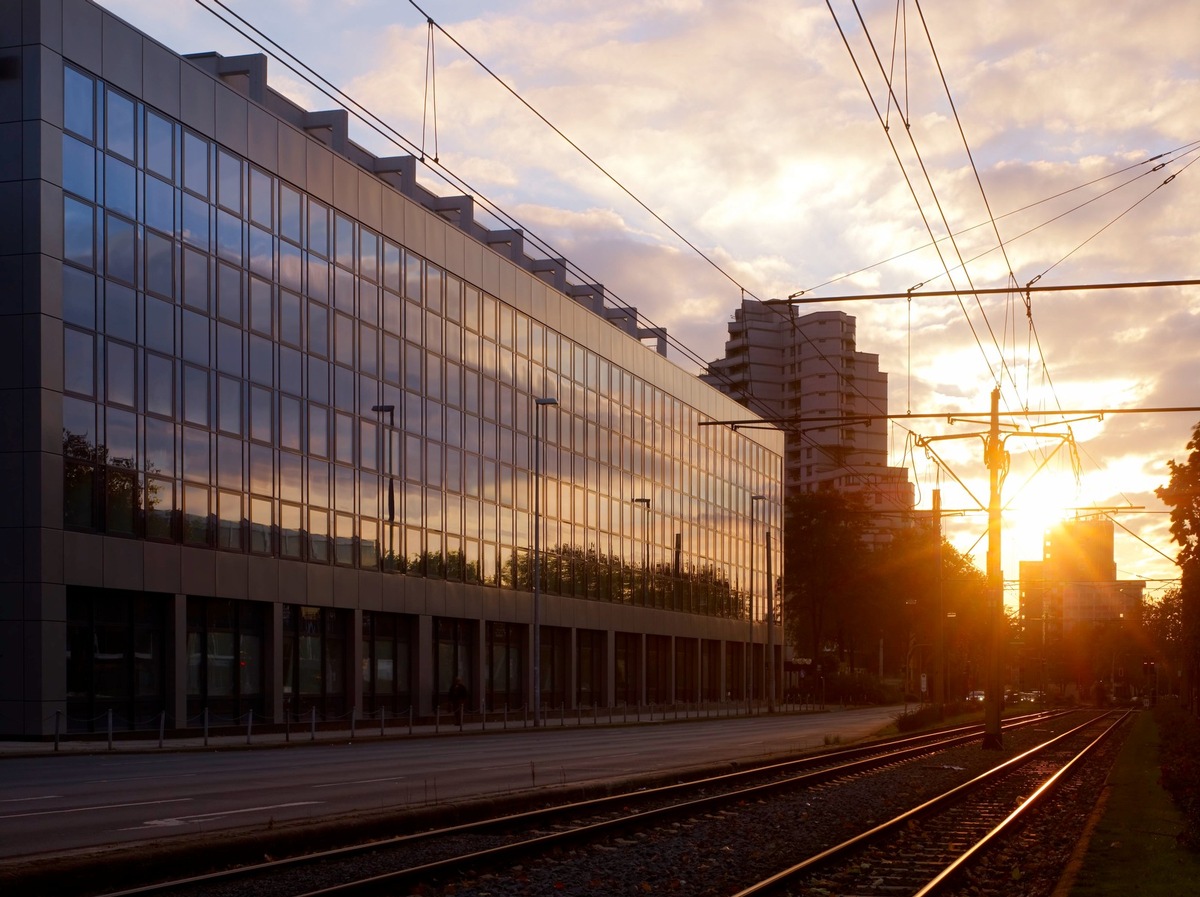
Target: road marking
[[362, 782], [141, 803], [19, 800], [158, 775], [201, 817]]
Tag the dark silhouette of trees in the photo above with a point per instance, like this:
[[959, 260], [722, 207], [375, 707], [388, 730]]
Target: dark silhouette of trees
[[825, 557], [1182, 496], [848, 596]]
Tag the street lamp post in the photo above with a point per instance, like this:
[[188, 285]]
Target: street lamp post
[[390, 410], [750, 608], [645, 549], [540, 404]]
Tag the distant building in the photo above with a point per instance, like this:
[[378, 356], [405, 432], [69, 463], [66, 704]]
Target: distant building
[[785, 366], [1076, 582]]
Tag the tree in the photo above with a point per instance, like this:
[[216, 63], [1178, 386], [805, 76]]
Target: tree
[[1163, 624], [909, 597], [825, 556], [1182, 496]]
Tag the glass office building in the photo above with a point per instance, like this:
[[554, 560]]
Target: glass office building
[[280, 425]]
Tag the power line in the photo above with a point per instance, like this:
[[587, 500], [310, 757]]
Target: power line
[[985, 291]]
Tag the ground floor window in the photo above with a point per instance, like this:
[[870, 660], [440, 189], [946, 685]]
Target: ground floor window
[[735, 670], [454, 645], [658, 669], [627, 672], [710, 670], [556, 664], [387, 651], [505, 658], [226, 665], [315, 661], [116, 658], [687, 669], [590, 666]]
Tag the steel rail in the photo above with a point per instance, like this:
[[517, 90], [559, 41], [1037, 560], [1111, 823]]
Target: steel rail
[[943, 879], [809, 769], [773, 883]]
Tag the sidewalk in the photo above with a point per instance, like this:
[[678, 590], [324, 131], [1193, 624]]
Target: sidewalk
[[1129, 847], [266, 735]]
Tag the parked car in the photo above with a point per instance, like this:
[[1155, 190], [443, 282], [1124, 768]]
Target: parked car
[[976, 696]]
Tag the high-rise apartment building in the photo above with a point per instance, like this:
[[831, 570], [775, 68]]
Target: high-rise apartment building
[[801, 370], [286, 435]]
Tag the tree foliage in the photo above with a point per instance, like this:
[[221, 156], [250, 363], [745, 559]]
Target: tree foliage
[[1182, 496], [824, 557], [848, 597]]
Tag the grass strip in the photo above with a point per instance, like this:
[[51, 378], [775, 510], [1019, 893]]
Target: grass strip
[[1133, 848]]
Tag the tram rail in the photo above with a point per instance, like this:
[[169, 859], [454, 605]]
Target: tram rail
[[434, 857]]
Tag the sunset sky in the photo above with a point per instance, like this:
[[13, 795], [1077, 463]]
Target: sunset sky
[[748, 130]]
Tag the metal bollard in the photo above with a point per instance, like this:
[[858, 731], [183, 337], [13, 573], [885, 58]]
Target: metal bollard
[[57, 723], [313, 724], [249, 724], [162, 724], [206, 727], [110, 728], [382, 721]]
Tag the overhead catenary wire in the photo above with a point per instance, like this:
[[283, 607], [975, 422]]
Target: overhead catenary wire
[[1186, 149], [501, 215], [383, 129], [600, 168], [997, 378]]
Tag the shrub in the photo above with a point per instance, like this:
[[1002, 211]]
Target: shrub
[[1179, 757]]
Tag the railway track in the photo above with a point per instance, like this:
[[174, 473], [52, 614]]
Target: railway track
[[480, 857], [927, 849]]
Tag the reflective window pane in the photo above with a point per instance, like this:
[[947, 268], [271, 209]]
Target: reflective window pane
[[79, 233], [79, 168], [196, 226], [79, 297], [120, 124], [195, 395], [79, 97], [120, 187], [195, 164], [160, 385], [120, 249], [160, 146], [160, 205], [160, 265], [229, 181], [120, 312], [195, 338], [79, 362], [289, 214], [120, 377], [160, 325], [160, 446]]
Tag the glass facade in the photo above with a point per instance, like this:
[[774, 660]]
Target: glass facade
[[229, 342], [281, 425]]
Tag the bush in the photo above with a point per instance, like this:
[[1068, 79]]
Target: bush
[[928, 715], [1179, 757]]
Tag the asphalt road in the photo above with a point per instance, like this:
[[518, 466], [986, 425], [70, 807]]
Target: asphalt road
[[53, 803]]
